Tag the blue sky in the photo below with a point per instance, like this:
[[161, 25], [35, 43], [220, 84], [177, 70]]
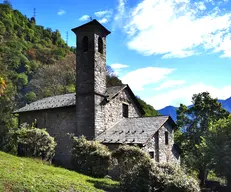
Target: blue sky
[[166, 50]]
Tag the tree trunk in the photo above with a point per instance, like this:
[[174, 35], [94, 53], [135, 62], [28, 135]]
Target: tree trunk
[[228, 183], [202, 176]]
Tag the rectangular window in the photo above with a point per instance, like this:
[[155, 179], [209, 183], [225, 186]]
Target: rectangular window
[[125, 110], [151, 153], [166, 137]]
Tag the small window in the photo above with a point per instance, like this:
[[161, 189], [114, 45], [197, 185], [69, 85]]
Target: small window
[[166, 138], [125, 110], [151, 153], [100, 45], [85, 44]]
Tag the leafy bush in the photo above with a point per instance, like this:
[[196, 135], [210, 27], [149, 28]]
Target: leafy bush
[[90, 157], [128, 156], [35, 142], [141, 174]]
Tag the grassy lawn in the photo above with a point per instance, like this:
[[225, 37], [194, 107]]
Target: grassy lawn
[[24, 174]]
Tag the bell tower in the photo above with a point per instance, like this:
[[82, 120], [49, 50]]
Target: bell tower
[[90, 78]]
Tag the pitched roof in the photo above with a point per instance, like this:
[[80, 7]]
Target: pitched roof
[[111, 92], [115, 90], [133, 130], [92, 24], [69, 100], [50, 103]]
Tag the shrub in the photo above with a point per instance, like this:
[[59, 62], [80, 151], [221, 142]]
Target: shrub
[[128, 156], [141, 174], [35, 142], [175, 179], [90, 157]]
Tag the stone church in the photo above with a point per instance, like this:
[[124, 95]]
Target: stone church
[[110, 115]]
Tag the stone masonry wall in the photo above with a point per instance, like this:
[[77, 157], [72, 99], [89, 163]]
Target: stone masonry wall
[[166, 153], [114, 112], [99, 84], [162, 152], [58, 123]]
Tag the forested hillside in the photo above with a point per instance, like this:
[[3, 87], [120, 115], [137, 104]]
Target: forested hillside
[[24, 48], [35, 62]]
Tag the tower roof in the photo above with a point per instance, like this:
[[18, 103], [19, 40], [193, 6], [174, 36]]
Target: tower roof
[[93, 25]]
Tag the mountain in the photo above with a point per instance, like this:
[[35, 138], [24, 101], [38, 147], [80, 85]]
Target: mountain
[[171, 110], [226, 104]]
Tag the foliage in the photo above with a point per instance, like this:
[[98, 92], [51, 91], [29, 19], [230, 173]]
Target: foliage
[[35, 142], [217, 146], [31, 96], [127, 156], [149, 110], [2, 86], [26, 46], [140, 173], [193, 124], [25, 174], [55, 79], [22, 52], [6, 2], [6, 107], [90, 157], [111, 78]]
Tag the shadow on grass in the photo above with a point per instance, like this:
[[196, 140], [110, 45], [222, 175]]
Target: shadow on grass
[[105, 186]]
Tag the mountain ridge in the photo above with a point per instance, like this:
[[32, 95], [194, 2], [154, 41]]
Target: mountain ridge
[[171, 110]]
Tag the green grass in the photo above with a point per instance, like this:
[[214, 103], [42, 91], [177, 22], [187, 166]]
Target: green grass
[[29, 175]]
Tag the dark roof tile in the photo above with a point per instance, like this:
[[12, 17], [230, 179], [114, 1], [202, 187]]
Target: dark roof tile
[[137, 130], [63, 100]]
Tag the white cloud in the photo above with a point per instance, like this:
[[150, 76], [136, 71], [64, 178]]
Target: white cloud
[[176, 28], [118, 66], [103, 20], [169, 84], [106, 13], [184, 95], [120, 9], [84, 18], [139, 78], [61, 12]]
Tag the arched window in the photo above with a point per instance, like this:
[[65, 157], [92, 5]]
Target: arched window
[[85, 44], [100, 45]]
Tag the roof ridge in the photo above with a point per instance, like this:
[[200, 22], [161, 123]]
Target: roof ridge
[[148, 117]]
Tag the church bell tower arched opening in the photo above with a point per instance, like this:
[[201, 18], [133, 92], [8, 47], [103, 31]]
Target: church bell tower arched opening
[[90, 78]]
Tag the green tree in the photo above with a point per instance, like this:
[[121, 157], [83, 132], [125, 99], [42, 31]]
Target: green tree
[[55, 79], [193, 123], [6, 107], [111, 78], [2, 86], [217, 147], [149, 110], [7, 2]]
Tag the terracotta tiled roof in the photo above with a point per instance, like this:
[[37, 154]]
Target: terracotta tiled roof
[[133, 130]]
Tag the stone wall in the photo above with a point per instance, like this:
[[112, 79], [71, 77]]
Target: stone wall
[[114, 112], [58, 123], [166, 151], [90, 82], [99, 84], [163, 152]]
